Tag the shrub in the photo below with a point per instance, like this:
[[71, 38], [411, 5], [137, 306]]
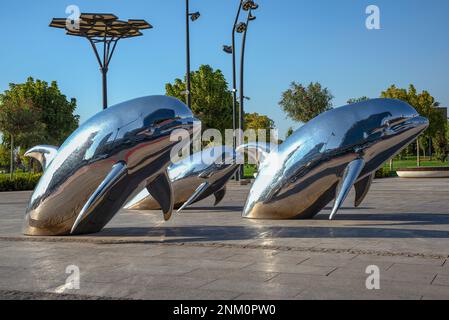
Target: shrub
[[20, 182], [384, 173]]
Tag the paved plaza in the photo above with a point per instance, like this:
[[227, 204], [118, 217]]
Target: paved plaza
[[212, 253]]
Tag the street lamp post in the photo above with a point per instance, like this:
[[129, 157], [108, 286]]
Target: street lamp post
[[234, 77], [243, 27], [105, 29], [193, 17], [246, 5]]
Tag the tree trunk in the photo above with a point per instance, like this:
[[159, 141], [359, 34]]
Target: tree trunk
[[11, 167], [418, 153]]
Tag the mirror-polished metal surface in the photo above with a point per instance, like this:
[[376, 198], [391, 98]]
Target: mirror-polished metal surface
[[105, 163], [195, 178], [329, 155], [44, 154]]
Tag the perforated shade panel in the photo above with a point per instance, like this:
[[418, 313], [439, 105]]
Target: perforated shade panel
[[102, 25]]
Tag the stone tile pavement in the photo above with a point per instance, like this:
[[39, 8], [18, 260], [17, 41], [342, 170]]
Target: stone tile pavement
[[212, 253]]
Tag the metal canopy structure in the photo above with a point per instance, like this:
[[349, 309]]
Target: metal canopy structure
[[105, 29]]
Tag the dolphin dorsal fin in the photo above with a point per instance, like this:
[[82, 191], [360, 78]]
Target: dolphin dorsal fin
[[44, 154], [117, 172], [219, 195], [361, 189], [161, 190], [198, 192], [351, 174]]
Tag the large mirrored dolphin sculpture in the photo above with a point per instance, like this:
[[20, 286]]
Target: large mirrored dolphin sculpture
[[103, 164], [329, 155]]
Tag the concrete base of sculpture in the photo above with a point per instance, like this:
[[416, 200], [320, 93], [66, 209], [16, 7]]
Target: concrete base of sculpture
[[440, 172]]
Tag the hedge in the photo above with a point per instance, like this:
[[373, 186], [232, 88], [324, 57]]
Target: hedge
[[19, 182]]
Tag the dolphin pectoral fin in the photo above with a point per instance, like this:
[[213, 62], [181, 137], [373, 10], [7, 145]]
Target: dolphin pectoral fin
[[44, 154], [203, 187], [352, 172], [161, 190], [361, 189], [117, 172], [219, 195]]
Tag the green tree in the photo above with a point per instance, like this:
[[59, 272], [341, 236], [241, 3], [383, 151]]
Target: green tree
[[302, 103], [56, 113], [19, 121], [425, 104], [357, 100], [257, 121], [211, 97]]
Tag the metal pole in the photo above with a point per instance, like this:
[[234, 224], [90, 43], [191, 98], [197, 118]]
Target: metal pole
[[234, 83], [104, 72], [189, 97], [242, 86]]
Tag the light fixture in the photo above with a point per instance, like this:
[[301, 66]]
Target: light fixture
[[241, 27], [251, 17], [248, 5], [227, 49], [195, 16]]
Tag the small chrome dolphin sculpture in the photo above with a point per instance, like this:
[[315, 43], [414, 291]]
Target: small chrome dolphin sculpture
[[203, 174], [329, 155], [103, 164], [195, 178]]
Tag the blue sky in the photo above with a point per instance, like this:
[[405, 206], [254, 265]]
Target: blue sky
[[291, 40]]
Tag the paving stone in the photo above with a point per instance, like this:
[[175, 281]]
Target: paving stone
[[212, 253], [252, 287]]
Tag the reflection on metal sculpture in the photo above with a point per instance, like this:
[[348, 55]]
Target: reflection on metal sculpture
[[43, 154], [105, 163], [195, 178], [329, 155]]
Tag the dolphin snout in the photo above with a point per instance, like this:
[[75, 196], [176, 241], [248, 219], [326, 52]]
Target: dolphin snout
[[421, 122]]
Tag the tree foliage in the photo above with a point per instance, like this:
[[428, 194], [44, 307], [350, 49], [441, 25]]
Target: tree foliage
[[20, 118], [53, 114], [425, 104], [357, 100], [302, 103], [211, 97], [255, 121]]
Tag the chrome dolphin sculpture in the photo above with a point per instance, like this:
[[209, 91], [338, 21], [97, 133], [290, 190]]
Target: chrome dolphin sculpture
[[329, 155], [103, 164], [203, 174], [195, 178]]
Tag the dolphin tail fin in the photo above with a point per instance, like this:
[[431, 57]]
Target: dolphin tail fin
[[219, 195], [161, 190], [198, 192], [44, 154], [118, 171], [352, 172], [257, 152], [361, 189]]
